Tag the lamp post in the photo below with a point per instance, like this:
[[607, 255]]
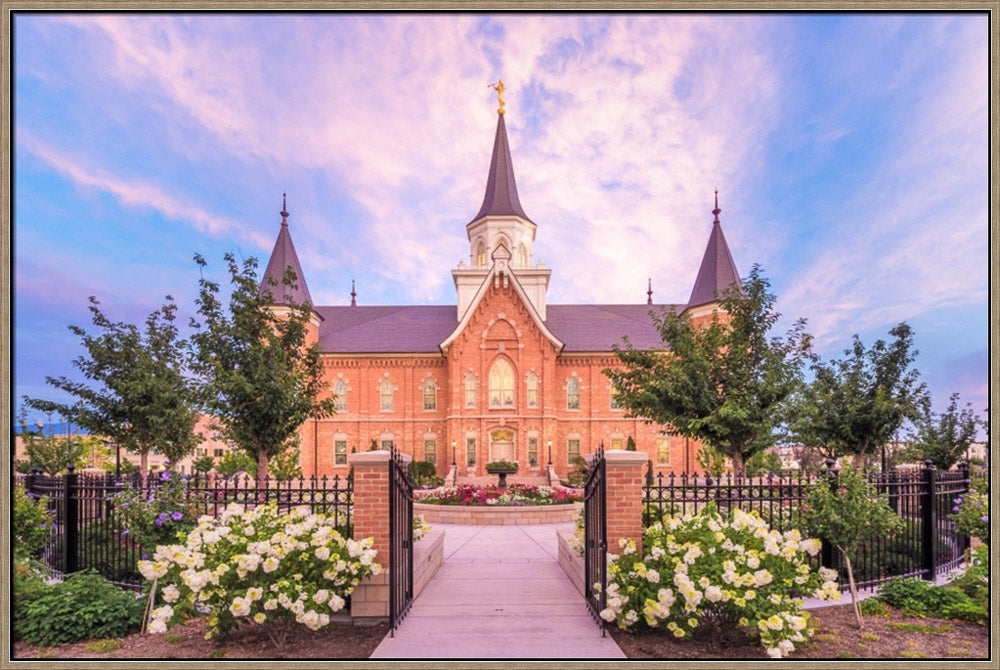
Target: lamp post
[[550, 452], [454, 464]]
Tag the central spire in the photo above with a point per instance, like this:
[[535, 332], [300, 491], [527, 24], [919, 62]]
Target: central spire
[[501, 190]]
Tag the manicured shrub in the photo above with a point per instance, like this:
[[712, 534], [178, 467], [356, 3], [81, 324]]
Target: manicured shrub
[[424, 474], [258, 567], [81, 607], [735, 569], [160, 515], [916, 597], [31, 523]]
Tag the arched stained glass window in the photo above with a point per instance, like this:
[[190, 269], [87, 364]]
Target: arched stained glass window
[[385, 395], [522, 256], [340, 396], [430, 395], [481, 255], [532, 390], [501, 384], [470, 390], [573, 393]]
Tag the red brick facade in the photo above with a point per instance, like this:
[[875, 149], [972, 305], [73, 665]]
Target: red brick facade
[[501, 327]]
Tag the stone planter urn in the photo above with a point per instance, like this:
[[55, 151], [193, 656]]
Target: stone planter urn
[[502, 468]]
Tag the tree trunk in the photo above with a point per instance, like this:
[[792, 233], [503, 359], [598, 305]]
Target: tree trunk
[[144, 465], [850, 582], [739, 467], [262, 461]]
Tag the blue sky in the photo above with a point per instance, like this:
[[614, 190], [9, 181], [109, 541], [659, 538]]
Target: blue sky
[[850, 154]]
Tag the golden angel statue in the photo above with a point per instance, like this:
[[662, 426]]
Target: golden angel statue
[[499, 88]]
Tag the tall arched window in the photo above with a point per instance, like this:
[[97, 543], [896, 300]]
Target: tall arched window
[[573, 393], [531, 397], [470, 390], [340, 396], [481, 255], [522, 256], [501, 384], [430, 395], [385, 395]]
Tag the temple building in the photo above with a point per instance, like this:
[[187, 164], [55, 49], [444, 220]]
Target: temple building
[[499, 374]]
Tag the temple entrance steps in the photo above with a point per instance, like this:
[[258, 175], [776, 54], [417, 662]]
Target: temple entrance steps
[[487, 480]]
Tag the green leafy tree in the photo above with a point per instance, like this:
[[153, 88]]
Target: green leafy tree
[[945, 439], [141, 398], [261, 380], [711, 460], [285, 465], [50, 453], [762, 463], [848, 512], [203, 464], [856, 404], [630, 444], [810, 460], [723, 382], [234, 461]]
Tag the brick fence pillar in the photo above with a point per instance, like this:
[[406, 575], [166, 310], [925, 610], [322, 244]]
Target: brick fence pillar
[[370, 599], [624, 472]]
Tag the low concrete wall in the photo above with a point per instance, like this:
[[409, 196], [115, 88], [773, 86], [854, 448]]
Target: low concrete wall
[[428, 555], [571, 562], [496, 516]]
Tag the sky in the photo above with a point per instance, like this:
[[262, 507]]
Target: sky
[[850, 153]]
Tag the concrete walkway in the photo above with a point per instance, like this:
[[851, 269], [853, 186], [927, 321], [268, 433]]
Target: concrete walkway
[[499, 595]]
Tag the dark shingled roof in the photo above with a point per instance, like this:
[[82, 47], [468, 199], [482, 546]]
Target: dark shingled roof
[[420, 328], [717, 272], [282, 256], [501, 191]]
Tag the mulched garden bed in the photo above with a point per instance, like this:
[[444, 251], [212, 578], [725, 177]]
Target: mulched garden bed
[[837, 636], [336, 641]]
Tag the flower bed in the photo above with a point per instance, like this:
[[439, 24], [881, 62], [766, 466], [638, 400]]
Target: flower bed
[[516, 495]]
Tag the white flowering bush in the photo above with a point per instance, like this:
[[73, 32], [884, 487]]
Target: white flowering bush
[[420, 526], [736, 569], [258, 566]]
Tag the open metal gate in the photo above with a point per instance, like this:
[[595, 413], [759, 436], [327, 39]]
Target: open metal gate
[[400, 540], [595, 538]]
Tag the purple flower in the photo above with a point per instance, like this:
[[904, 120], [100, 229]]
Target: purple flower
[[165, 476], [176, 516], [125, 532], [163, 515], [984, 519], [159, 522], [145, 556]]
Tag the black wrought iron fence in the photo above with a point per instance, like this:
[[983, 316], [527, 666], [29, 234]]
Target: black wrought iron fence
[[928, 544], [400, 541], [595, 538], [88, 527]]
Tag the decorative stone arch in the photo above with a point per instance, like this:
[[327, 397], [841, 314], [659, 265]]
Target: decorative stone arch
[[340, 389], [470, 388], [428, 390], [479, 253], [386, 389], [502, 240], [573, 387], [532, 389]]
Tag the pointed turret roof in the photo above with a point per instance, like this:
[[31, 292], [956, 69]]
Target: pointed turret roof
[[501, 191], [718, 271], [282, 257]]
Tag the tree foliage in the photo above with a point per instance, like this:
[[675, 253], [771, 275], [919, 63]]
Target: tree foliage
[[260, 379], [723, 382], [945, 439], [846, 511], [140, 398], [855, 404]]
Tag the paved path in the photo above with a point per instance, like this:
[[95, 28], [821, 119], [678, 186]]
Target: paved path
[[500, 594]]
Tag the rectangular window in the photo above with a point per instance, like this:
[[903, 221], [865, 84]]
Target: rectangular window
[[532, 451], [663, 450], [533, 396], [573, 394], [387, 445], [218, 453], [616, 443], [470, 390], [430, 451], [430, 397], [199, 452], [470, 451], [572, 450], [340, 452], [614, 401]]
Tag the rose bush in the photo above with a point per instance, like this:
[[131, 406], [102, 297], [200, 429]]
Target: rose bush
[[258, 567], [735, 569]]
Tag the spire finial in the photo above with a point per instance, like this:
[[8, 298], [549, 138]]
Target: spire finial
[[284, 210], [649, 292], [716, 211], [354, 295], [499, 88]]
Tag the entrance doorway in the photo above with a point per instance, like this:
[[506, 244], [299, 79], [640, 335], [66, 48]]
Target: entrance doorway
[[502, 445]]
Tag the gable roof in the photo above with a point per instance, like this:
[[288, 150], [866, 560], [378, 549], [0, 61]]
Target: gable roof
[[718, 271], [501, 190], [419, 329], [282, 256]]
